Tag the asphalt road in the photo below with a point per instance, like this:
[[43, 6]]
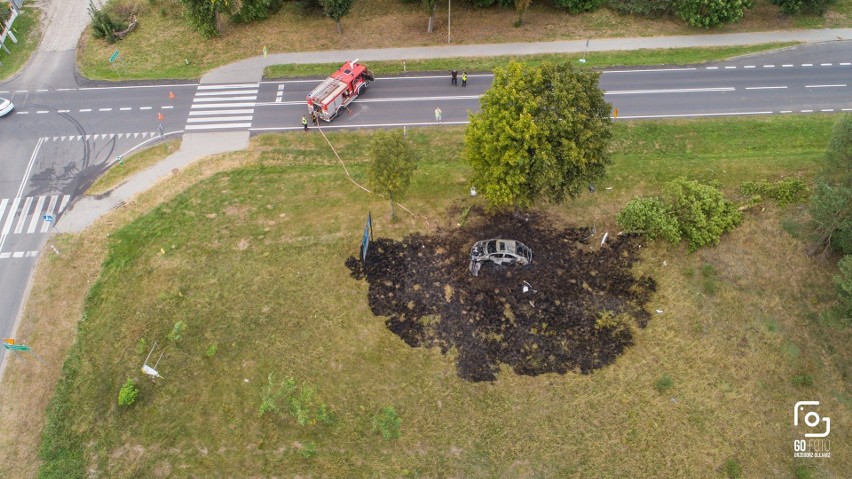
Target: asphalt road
[[59, 140]]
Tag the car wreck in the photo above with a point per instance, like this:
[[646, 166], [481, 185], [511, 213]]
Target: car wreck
[[499, 252]]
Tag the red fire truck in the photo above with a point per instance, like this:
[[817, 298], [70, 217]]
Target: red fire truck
[[330, 98]]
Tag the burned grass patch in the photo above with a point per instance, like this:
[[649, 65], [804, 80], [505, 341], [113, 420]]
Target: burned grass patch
[[576, 314]]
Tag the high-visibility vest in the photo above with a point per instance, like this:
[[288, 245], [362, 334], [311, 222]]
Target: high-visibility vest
[[304, 121], [464, 77]]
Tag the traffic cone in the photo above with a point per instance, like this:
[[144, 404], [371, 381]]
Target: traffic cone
[[160, 116], [171, 95]]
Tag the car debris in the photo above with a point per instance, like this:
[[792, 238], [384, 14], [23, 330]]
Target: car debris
[[498, 251]]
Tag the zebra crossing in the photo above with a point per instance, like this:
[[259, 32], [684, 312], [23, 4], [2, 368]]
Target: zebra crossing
[[217, 107], [30, 215], [102, 136]]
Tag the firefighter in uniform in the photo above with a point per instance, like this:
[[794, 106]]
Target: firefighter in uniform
[[454, 77], [305, 122], [464, 78]]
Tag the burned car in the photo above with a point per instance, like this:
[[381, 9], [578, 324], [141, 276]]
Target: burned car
[[500, 252]]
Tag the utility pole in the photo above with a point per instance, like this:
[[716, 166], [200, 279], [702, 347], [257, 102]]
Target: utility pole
[[449, 19]]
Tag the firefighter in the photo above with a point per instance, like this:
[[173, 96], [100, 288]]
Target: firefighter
[[464, 78], [454, 77], [305, 122], [314, 118], [438, 114]]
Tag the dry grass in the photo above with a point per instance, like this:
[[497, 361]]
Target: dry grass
[[731, 335], [162, 43]]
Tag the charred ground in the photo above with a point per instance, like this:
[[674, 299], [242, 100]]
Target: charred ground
[[578, 319]]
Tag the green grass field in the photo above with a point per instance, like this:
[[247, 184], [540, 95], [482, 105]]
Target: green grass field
[[27, 32], [251, 260]]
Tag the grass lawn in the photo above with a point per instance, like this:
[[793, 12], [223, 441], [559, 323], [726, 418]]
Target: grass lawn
[[672, 56], [248, 251], [163, 46], [131, 165], [28, 34]]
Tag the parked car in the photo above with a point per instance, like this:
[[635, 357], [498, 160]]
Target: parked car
[[6, 106], [498, 251]]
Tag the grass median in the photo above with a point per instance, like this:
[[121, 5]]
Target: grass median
[[649, 57], [251, 261], [26, 30]]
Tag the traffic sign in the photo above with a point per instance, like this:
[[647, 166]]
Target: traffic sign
[[113, 57], [48, 218], [16, 347]]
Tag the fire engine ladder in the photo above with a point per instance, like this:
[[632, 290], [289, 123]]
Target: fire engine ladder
[[325, 88]]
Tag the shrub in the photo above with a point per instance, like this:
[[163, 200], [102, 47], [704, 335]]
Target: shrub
[[664, 383], [387, 422], [732, 469], [254, 10], [803, 381], [579, 6], [177, 331], [128, 393], [650, 217], [830, 210], [300, 401], [211, 351], [711, 13], [702, 211], [5, 11], [792, 7], [643, 8], [103, 25], [785, 192], [841, 314]]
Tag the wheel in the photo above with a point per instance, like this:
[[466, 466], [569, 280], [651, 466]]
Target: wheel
[[362, 89], [339, 112]]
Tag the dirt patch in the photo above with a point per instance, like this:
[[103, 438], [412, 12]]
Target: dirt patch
[[578, 318]]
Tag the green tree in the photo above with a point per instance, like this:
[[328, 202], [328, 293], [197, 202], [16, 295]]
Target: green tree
[[831, 203], [392, 163], [103, 25], [792, 7], [701, 210], [710, 13], [542, 133], [843, 285], [650, 217], [203, 15], [521, 7], [335, 10]]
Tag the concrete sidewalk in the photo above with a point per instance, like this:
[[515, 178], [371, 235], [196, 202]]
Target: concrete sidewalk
[[87, 210], [251, 69]]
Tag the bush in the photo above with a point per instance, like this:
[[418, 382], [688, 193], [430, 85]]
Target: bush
[[643, 8], [103, 25], [702, 211], [177, 331], [841, 314], [785, 192], [387, 423], [650, 217], [300, 401], [830, 210], [792, 7], [732, 469], [254, 10], [579, 6], [711, 13], [128, 393], [803, 381], [5, 11], [664, 383]]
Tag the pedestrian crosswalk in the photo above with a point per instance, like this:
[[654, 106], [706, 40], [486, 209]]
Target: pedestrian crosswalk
[[217, 107], [30, 215]]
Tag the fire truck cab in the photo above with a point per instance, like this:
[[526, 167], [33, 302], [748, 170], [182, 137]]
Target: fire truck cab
[[331, 97]]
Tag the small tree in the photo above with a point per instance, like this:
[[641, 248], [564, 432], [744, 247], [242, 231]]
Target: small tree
[[792, 7], [542, 134], [203, 15], [701, 210], [521, 7], [710, 13], [392, 163], [103, 25], [335, 10], [430, 5], [831, 203], [128, 393]]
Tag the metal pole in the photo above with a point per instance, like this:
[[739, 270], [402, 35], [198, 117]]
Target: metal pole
[[449, 19]]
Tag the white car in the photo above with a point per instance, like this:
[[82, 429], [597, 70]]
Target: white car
[[6, 107], [498, 251]]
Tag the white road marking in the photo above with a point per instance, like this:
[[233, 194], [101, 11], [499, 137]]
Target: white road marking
[[712, 68], [220, 105], [687, 115], [768, 66], [787, 65], [807, 111], [231, 92], [85, 110], [167, 107], [24, 211], [786, 111], [21, 112], [845, 64], [219, 118], [227, 87], [681, 90], [62, 111], [765, 87], [730, 68], [825, 64], [219, 112], [104, 109], [826, 86], [749, 66], [19, 254], [31, 229], [45, 226], [828, 109], [220, 125], [9, 219], [3, 203], [223, 99], [144, 107], [807, 64], [125, 108], [42, 111]]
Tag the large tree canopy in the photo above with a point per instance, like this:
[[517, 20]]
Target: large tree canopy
[[542, 134], [392, 163]]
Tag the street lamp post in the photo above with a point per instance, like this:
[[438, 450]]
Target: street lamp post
[[449, 19]]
